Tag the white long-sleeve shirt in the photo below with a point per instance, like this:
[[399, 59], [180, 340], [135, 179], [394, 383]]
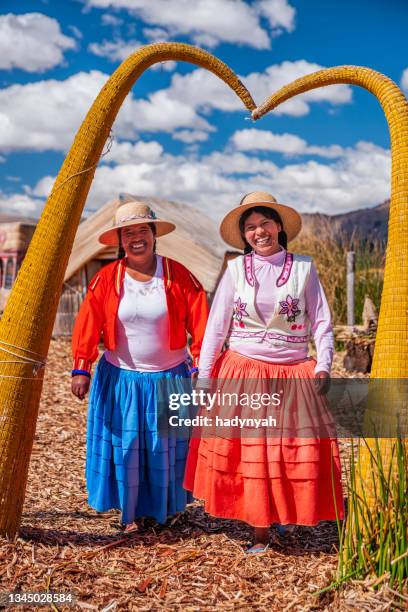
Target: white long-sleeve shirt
[[267, 270], [142, 327]]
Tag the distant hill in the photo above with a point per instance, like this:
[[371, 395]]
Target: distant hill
[[366, 223]]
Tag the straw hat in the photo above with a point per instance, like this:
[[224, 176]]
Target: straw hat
[[133, 212], [229, 229]]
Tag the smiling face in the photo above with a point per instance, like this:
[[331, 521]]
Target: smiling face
[[137, 240], [261, 233]]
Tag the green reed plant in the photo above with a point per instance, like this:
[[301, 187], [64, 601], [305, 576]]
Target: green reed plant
[[328, 249], [374, 538], [329, 258], [369, 275]]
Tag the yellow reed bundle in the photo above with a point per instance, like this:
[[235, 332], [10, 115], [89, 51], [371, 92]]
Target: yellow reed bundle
[[391, 347], [26, 325]]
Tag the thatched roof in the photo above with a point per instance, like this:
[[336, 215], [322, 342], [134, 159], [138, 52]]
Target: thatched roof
[[15, 232], [195, 242], [10, 218]]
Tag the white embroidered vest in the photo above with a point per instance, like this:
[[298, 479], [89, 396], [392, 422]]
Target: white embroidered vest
[[289, 323]]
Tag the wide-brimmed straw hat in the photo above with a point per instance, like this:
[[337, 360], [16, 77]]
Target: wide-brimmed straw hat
[[133, 212], [229, 229]]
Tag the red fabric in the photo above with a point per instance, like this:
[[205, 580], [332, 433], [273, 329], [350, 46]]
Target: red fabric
[[263, 480], [186, 302]]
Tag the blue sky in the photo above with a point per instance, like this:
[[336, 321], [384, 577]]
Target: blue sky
[[180, 134]]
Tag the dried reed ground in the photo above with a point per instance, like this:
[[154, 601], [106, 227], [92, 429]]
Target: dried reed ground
[[194, 563]]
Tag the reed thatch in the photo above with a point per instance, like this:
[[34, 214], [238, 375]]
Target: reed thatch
[[15, 235]]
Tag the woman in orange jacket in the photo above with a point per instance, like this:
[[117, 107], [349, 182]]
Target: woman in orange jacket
[[143, 305]]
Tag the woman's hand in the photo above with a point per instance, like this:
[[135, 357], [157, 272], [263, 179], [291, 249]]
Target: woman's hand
[[322, 382], [80, 385]]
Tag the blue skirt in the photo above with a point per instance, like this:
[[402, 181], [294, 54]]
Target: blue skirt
[[135, 463]]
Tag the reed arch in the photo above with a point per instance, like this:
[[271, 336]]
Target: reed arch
[[390, 360], [27, 322]]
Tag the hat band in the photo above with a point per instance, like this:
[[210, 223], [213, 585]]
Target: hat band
[[258, 202], [150, 215]]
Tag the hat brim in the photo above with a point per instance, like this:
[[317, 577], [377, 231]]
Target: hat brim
[[111, 236], [229, 228]]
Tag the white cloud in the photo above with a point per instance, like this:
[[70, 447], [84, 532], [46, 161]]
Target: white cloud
[[167, 66], [189, 136], [279, 13], [358, 180], [76, 31], [404, 80], [203, 90], [239, 163], [180, 179], [216, 182], [43, 187], [117, 50], [289, 144], [61, 107], [32, 42], [127, 152], [155, 34], [111, 20], [162, 112], [264, 84], [21, 204], [210, 22], [261, 140]]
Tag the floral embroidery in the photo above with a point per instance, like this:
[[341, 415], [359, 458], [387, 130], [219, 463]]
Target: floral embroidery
[[239, 312], [289, 307], [236, 333]]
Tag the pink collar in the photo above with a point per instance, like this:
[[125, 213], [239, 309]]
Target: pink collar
[[283, 276], [276, 259]]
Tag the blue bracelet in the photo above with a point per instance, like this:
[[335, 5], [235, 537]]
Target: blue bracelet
[[82, 372], [193, 370]]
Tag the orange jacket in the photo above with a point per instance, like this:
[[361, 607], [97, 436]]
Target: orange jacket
[[186, 303]]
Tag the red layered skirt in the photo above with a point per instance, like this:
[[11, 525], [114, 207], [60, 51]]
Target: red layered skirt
[[264, 477]]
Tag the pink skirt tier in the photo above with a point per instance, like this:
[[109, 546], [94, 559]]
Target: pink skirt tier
[[292, 476]]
